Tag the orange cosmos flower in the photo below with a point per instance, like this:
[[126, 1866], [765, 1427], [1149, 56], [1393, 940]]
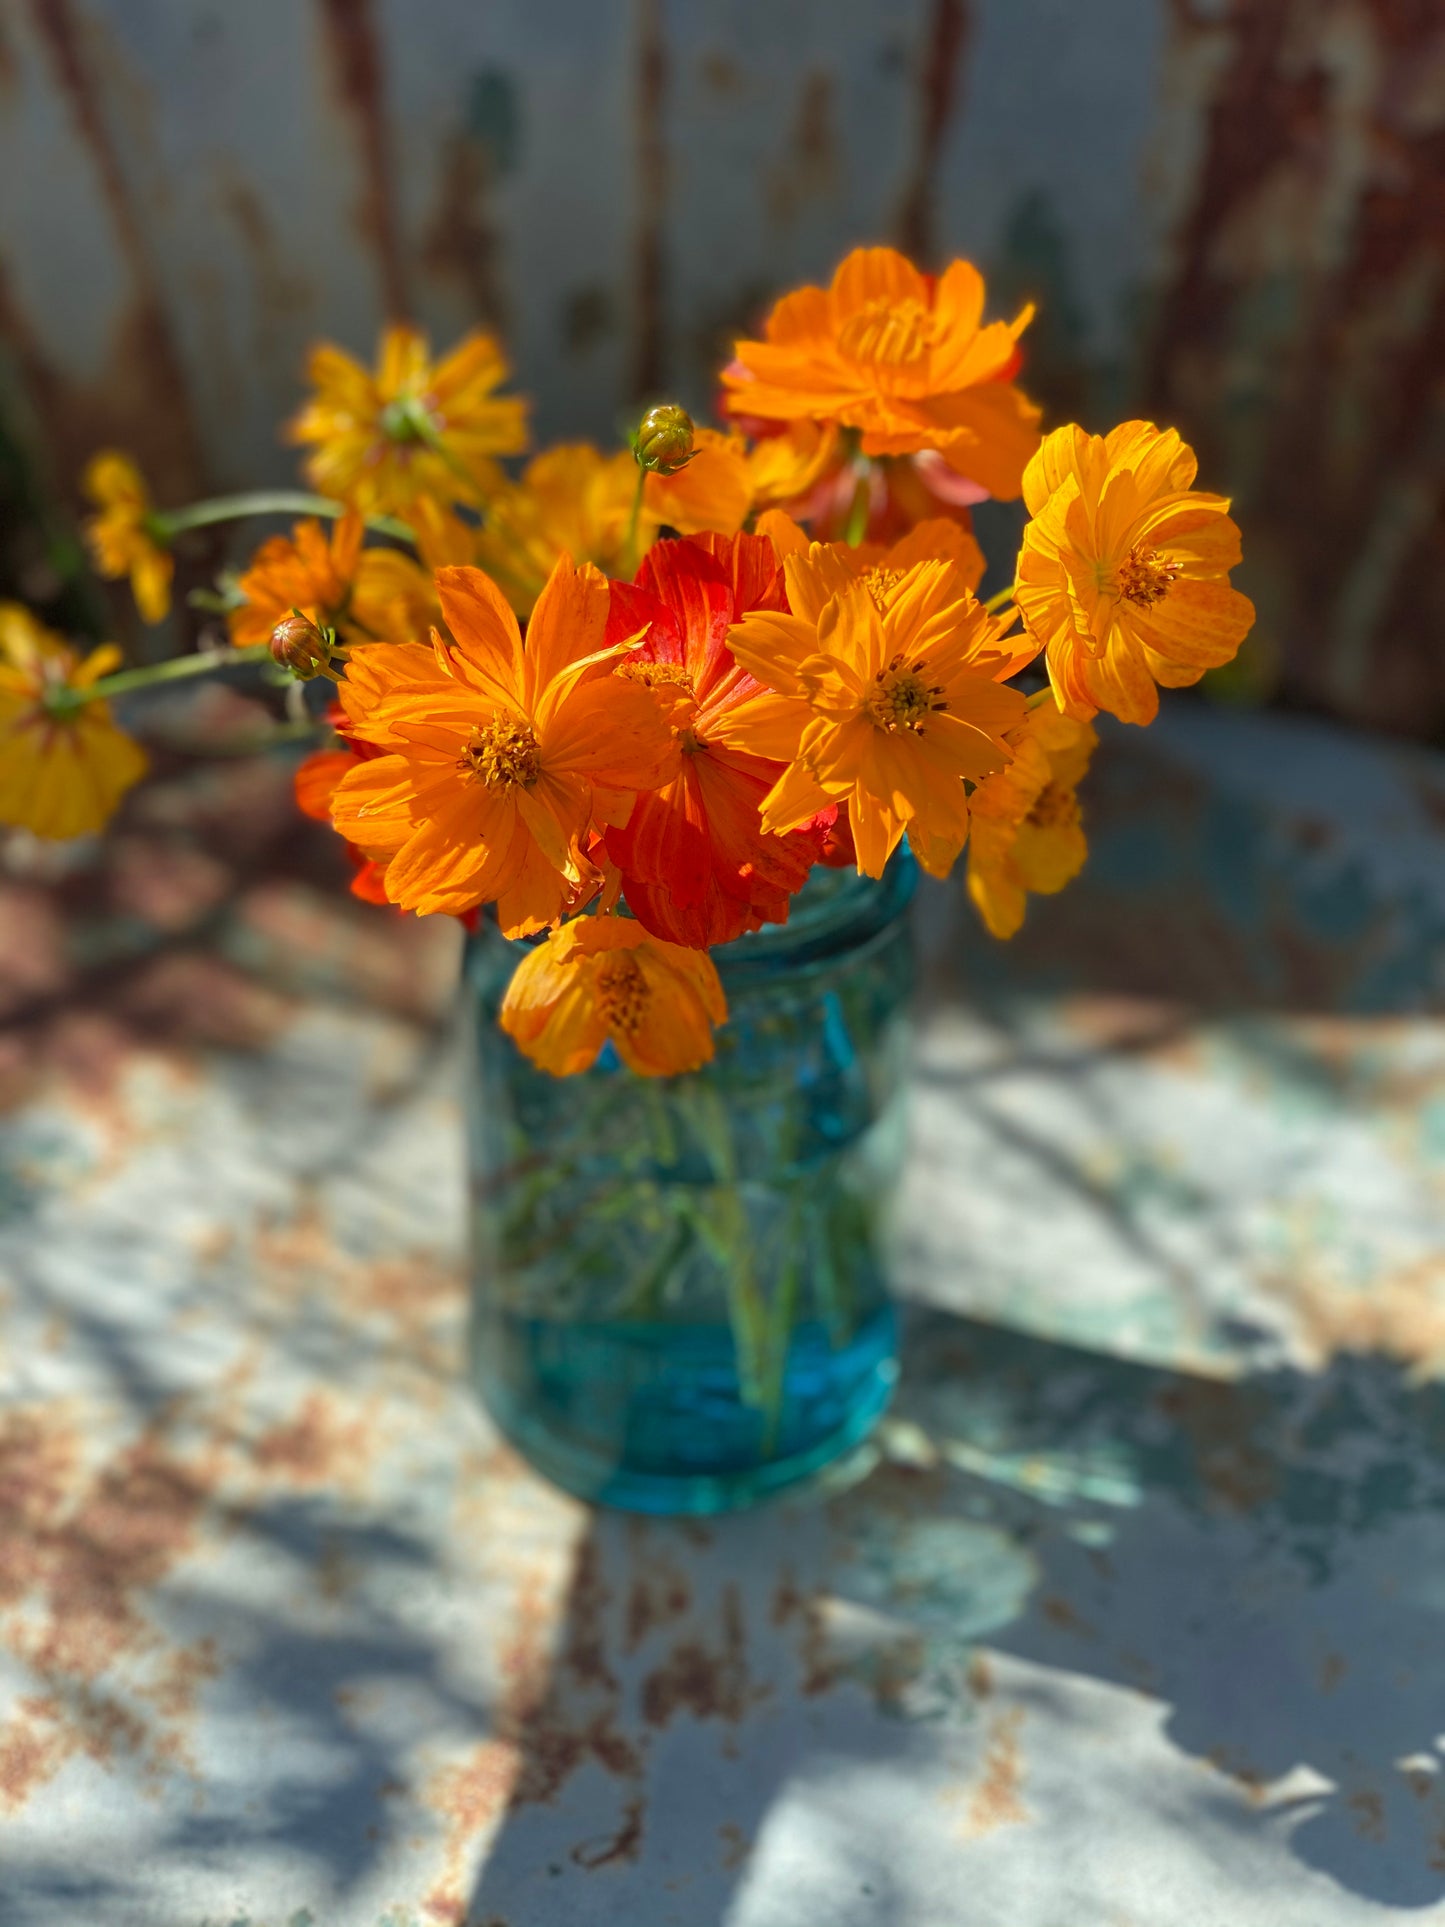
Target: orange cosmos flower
[[63, 767], [903, 358], [1026, 832], [415, 428], [888, 696], [787, 461], [601, 979], [697, 866], [1124, 572], [122, 536], [494, 751], [938, 540], [364, 594], [571, 500]]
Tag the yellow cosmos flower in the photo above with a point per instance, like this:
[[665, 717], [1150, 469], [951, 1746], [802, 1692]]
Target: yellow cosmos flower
[[494, 755], [714, 491], [887, 694], [1124, 572], [366, 595], [63, 770], [122, 536], [601, 979], [571, 500], [414, 428], [1026, 834]]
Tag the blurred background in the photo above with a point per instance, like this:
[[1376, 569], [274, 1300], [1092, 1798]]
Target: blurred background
[[1155, 1554], [1231, 211]]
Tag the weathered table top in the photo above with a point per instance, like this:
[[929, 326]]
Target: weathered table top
[[1134, 1617]]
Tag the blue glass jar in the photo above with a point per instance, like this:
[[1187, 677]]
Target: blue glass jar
[[678, 1296]]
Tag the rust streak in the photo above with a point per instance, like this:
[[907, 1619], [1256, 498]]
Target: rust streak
[[939, 77], [354, 46], [460, 244], [649, 271], [997, 1799], [1339, 469], [624, 1845], [693, 1678]]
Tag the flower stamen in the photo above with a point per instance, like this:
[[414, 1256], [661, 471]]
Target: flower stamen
[[1055, 807], [888, 333], [880, 582], [655, 674], [623, 993], [502, 753], [902, 698], [1146, 576]]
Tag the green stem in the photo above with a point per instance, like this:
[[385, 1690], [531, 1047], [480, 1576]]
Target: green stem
[[629, 541], [1001, 600], [169, 523], [124, 681], [858, 514]]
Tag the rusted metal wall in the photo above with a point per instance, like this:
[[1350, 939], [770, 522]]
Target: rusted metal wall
[[1234, 211]]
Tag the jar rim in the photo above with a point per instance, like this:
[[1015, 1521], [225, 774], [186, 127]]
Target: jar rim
[[838, 918]]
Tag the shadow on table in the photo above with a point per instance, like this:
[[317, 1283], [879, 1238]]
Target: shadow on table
[[1265, 1558]]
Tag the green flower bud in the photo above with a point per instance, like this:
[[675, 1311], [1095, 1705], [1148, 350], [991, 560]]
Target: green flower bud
[[664, 439], [298, 644]]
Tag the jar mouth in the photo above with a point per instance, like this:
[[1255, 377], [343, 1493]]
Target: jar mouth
[[835, 911]]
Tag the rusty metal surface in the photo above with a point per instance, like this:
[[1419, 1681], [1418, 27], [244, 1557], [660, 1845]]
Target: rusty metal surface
[[1231, 211], [1134, 1614]]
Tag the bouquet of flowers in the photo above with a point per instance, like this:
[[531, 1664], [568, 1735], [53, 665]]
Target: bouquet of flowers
[[626, 702]]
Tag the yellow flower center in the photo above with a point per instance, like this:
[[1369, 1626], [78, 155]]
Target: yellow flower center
[[502, 753], [655, 673], [900, 698], [880, 582], [622, 992], [1055, 808], [1145, 576], [890, 334], [407, 419]]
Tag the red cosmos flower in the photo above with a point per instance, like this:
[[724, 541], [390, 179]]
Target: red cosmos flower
[[696, 866], [316, 781]]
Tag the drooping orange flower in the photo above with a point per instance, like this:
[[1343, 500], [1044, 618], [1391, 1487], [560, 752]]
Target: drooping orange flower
[[494, 753], [414, 428], [604, 979], [122, 537], [364, 594], [1027, 835], [1123, 577], [902, 357], [889, 696], [697, 866], [64, 766], [571, 500]]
